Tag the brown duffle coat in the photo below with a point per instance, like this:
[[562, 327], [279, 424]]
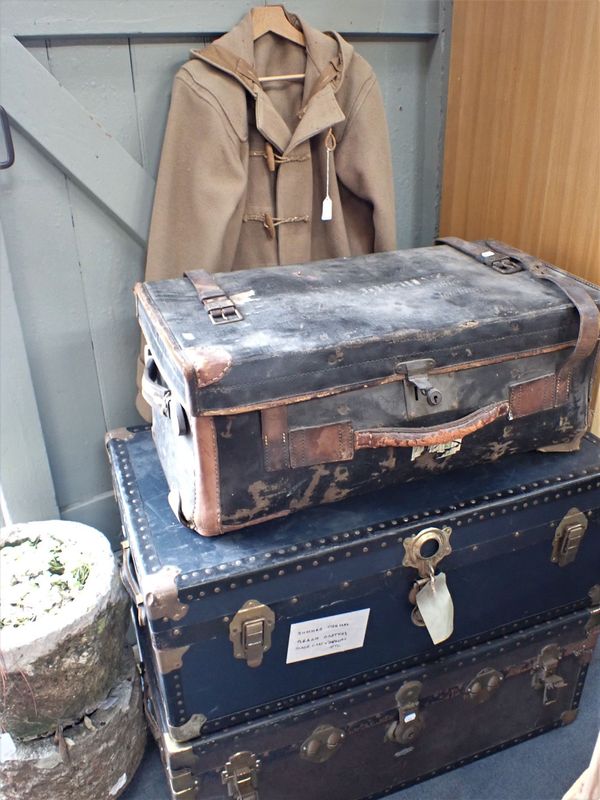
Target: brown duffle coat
[[243, 171]]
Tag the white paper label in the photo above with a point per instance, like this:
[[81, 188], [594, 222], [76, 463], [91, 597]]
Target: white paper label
[[328, 635], [437, 609], [327, 211]]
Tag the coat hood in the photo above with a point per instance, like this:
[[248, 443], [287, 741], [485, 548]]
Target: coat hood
[[328, 56]]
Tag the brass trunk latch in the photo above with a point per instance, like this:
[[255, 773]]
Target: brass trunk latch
[[250, 632], [483, 685], [240, 776], [323, 742], [569, 533], [544, 675], [410, 722]]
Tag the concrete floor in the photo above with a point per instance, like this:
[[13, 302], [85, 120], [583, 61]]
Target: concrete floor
[[540, 769]]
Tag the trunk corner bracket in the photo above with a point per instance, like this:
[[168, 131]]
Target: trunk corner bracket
[[162, 595], [189, 730]]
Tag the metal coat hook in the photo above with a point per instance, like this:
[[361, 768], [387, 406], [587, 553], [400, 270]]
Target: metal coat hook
[[8, 142]]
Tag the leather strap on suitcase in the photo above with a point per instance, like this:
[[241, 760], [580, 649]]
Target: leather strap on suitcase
[[218, 306], [506, 259]]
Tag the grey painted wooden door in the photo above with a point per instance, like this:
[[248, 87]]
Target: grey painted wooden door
[[86, 84]]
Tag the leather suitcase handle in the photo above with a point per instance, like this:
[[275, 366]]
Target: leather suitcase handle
[[432, 435], [152, 391]]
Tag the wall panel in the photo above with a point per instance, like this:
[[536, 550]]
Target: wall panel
[[87, 85], [522, 153]]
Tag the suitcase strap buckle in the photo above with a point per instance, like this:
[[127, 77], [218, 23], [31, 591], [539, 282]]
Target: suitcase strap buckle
[[240, 776], [221, 310]]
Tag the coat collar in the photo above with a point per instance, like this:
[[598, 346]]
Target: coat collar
[[326, 62]]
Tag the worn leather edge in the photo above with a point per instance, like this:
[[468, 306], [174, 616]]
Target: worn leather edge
[[228, 528], [207, 504], [206, 365], [389, 378], [532, 396], [571, 446], [321, 444]]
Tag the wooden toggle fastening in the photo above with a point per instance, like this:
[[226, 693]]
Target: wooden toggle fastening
[[269, 224], [270, 156]]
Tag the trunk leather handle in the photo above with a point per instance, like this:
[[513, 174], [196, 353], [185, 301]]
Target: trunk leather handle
[[153, 392], [130, 583], [160, 397], [432, 435]]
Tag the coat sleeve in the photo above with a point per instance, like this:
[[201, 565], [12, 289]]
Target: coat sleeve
[[364, 162], [198, 203]]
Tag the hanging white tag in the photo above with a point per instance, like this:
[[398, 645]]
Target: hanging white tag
[[436, 608], [330, 145]]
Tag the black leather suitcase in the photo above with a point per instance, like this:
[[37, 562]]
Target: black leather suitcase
[[241, 626], [386, 734], [277, 389]]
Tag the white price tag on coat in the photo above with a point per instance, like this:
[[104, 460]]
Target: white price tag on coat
[[326, 636]]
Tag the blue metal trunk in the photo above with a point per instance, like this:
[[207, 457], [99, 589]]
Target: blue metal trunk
[[524, 535], [402, 728]]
